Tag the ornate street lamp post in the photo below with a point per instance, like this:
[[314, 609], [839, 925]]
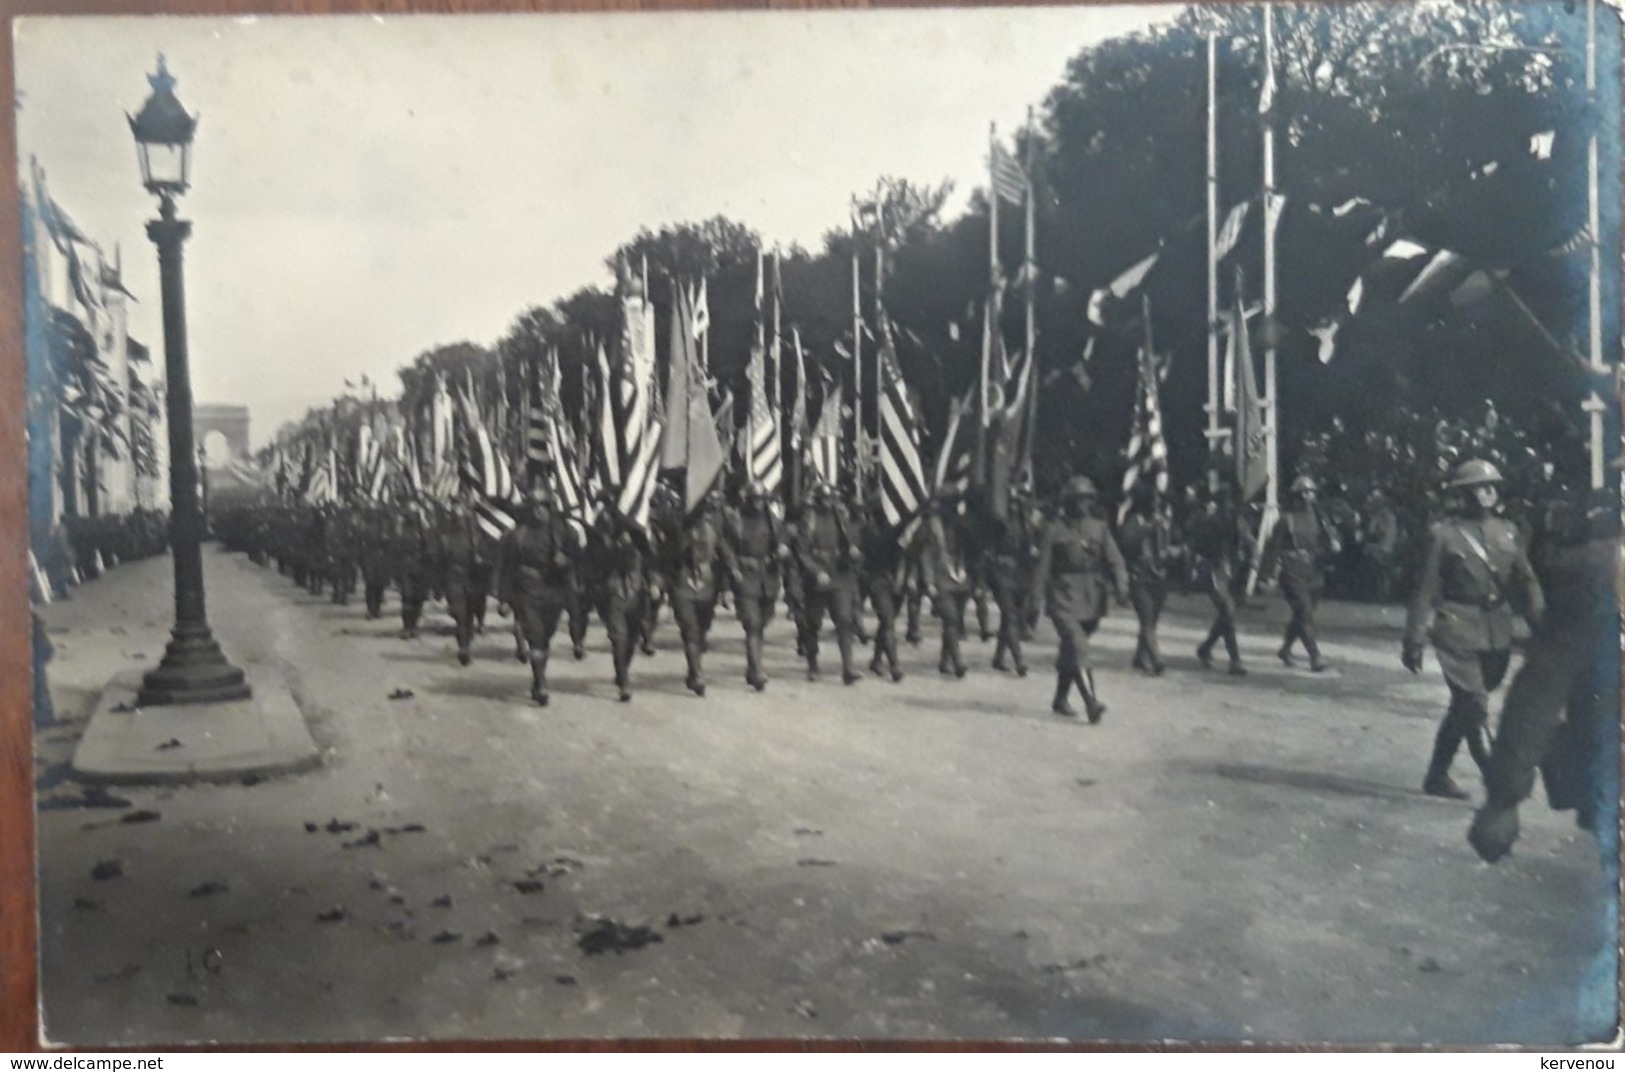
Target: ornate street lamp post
[[193, 669]]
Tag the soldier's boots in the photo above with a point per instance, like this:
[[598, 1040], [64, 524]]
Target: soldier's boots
[[1493, 831], [695, 682], [1085, 680], [538, 678], [1063, 687], [1438, 782], [753, 662]]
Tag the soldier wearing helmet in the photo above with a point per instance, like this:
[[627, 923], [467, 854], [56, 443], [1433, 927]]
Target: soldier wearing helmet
[[1223, 547], [828, 552], [1078, 564], [1299, 544], [753, 550], [1476, 574], [534, 563], [950, 567]]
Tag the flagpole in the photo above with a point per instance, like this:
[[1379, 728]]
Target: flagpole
[[1029, 270], [1594, 404], [776, 399], [978, 476], [1214, 433], [857, 363], [1272, 418]]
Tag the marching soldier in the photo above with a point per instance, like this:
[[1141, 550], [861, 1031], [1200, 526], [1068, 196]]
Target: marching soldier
[[1014, 554], [693, 583], [949, 572], [1560, 708], [465, 572], [620, 553], [828, 553], [884, 560], [1145, 538], [341, 551], [1219, 540], [412, 550], [374, 549], [752, 550], [1476, 574], [1078, 563], [1299, 545], [534, 579]]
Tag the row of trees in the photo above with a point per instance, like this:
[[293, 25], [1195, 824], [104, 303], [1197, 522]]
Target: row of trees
[[1425, 112]]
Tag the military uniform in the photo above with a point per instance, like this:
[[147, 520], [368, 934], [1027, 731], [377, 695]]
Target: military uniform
[[1145, 539], [1013, 556], [693, 586], [884, 560], [949, 565], [619, 555], [1079, 567], [1219, 542], [534, 565], [1475, 574], [828, 555], [1561, 710], [412, 563], [1298, 545], [373, 538], [752, 549], [465, 571]]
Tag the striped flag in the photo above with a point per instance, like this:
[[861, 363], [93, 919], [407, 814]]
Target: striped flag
[[765, 458], [485, 473], [902, 474], [629, 426], [824, 446], [957, 452], [1147, 449], [1009, 181]]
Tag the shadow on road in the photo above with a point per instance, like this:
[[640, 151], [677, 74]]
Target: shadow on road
[[1309, 781]]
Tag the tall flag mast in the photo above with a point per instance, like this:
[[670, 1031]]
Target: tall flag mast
[[1272, 222], [1594, 404], [1215, 433], [1029, 272], [857, 365]]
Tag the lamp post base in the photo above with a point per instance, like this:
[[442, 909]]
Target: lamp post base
[[193, 670]]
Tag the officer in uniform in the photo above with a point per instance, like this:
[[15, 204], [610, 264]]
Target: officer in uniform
[[752, 550], [1476, 573], [534, 563], [1299, 544], [465, 569], [1145, 538], [1220, 542], [884, 560], [828, 554], [1013, 555], [1560, 714], [949, 563], [1078, 563], [620, 554], [693, 584]]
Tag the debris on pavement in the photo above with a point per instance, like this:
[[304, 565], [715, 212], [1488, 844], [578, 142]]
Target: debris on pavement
[[370, 840], [172, 743], [565, 980], [813, 861], [528, 885], [208, 889], [333, 915], [808, 831], [182, 999], [401, 694], [335, 827], [487, 939], [106, 869], [674, 921], [311, 828], [409, 828], [446, 938], [443, 901], [142, 816], [601, 934], [85, 904], [899, 937]]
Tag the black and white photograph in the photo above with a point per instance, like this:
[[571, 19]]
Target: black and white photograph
[[1088, 523]]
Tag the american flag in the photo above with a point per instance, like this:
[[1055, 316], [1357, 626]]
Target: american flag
[[765, 459], [549, 447], [902, 474], [1009, 181], [957, 452], [630, 426], [1147, 449], [485, 472], [824, 446]]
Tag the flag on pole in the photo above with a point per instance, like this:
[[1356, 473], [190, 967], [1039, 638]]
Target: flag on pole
[[1147, 448], [765, 462], [956, 454], [1251, 446], [1008, 457], [1009, 181], [674, 439], [1230, 233], [824, 445], [902, 474]]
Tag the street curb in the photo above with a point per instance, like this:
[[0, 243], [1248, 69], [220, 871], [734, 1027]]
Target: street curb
[[125, 744]]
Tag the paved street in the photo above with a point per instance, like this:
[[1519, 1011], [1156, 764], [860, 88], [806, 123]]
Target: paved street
[[1219, 859]]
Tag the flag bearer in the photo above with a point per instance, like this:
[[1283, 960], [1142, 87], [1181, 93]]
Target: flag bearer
[[1145, 538], [620, 551], [1078, 565], [752, 550], [413, 565], [884, 560], [373, 541], [1013, 555], [949, 573], [465, 569], [693, 583], [1219, 541], [1299, 545], [535, 561], [828, 554]]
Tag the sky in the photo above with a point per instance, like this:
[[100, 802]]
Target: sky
[[365, 188]]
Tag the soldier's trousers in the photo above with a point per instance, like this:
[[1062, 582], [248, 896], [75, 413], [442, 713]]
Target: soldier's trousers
[[624, 614], [1224, 614], [754, 612], [950, 608], [580, 617], [414, 592], [1072, 665], [1472, 676], [1148, 597], [375, 582], [465, 601], [984, 620], [1013, 597], [839, 601], [537, 617], [694, 612], [883, 597], [1301, 601]]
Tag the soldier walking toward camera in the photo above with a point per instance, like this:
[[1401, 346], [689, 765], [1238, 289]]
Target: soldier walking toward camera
[[1078, 565], [465, 574], [1011, 560], [1218, 539], [534, 580], [374, 554], [1297, 549], [949, 568], [693, 584], [752, 549], [413, 556], [620, 553], [827, 553], [884, 559], [1476, 574], [1145, 538]]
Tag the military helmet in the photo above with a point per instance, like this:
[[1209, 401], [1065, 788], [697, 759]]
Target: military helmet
[[1080, 487], [1473, 472], [1303, 484]]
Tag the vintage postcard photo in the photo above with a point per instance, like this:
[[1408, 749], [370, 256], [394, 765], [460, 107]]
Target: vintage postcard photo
[[1081, 522]]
